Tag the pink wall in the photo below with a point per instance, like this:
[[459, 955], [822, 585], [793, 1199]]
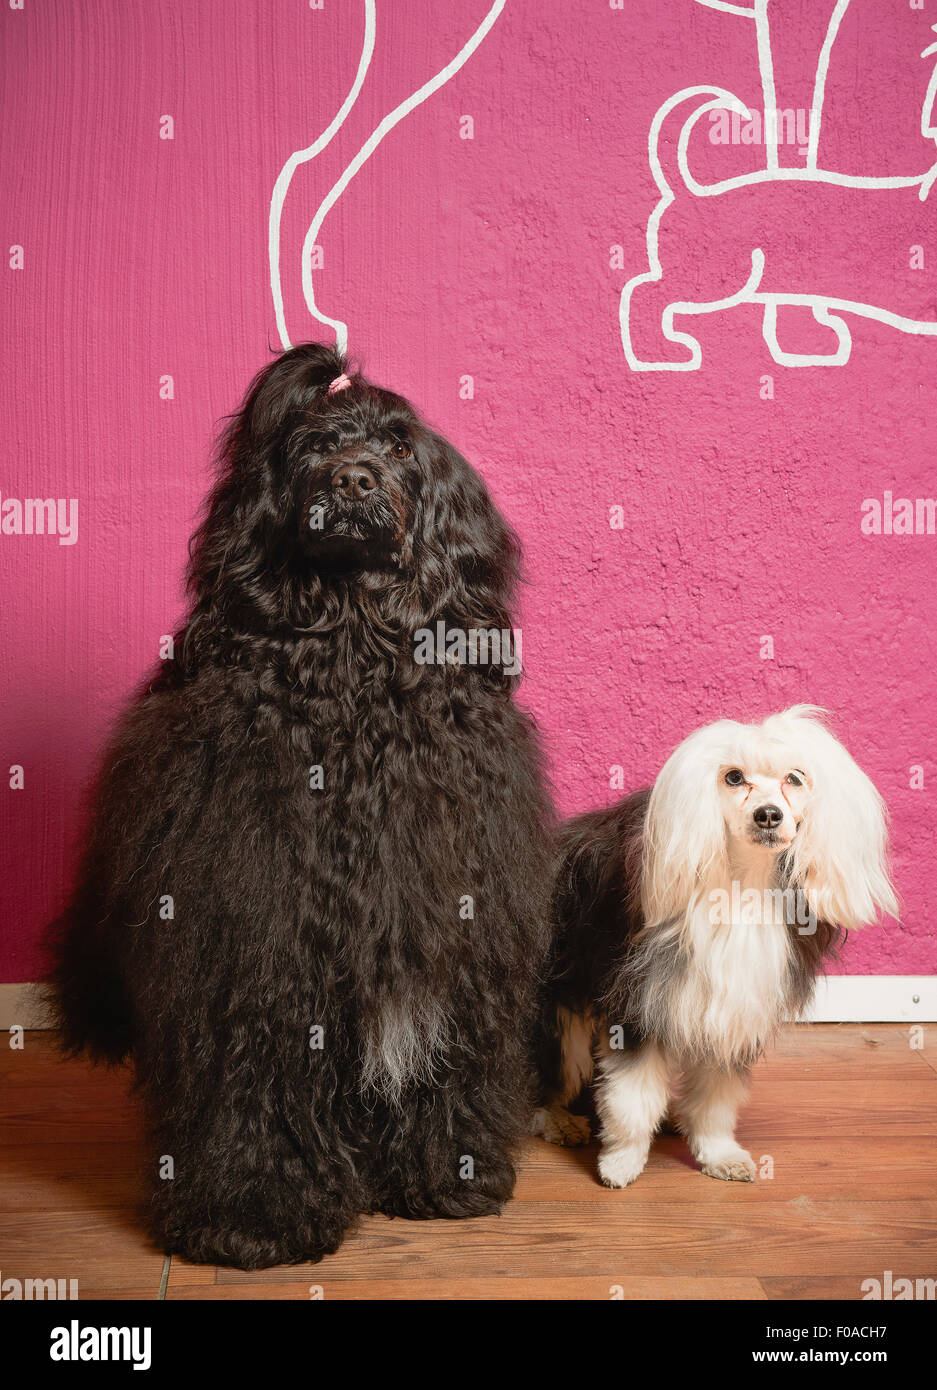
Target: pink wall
[[490, 257]]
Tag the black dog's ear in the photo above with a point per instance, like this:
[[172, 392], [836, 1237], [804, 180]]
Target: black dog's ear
[[279, 392], [469, 557], [235, 554]]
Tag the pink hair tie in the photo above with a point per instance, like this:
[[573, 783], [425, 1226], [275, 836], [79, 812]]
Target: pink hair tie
[[341, 383]]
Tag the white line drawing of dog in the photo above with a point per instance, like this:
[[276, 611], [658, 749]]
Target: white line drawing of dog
[[788, 197], [299, 157]]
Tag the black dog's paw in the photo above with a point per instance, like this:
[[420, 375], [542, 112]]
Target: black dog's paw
[[426, 1205], [482, 1195], [245, 1248]]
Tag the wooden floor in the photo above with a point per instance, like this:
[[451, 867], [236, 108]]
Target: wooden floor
[[845, 1114]]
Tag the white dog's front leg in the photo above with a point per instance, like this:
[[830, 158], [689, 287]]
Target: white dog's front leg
[[631, 1097], [709, 1103]]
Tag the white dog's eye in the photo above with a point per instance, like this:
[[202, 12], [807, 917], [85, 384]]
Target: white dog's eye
[[735, 777], [796, 779]]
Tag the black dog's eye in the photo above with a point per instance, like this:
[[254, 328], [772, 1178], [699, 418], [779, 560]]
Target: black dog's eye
[[796, 779], [322, 443], [735, 777], [400, 450]]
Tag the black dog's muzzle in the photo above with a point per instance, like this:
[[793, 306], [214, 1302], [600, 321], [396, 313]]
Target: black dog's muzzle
[[354, 481], [352, 515]]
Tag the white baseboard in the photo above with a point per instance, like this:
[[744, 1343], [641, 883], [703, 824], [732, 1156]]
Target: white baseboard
[[839, 999], [874, 999], [23, 1005]]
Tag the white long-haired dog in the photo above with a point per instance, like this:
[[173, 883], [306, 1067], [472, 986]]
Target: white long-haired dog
[[691, 920]]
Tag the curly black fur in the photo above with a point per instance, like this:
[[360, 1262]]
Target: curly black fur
[[228, 906]]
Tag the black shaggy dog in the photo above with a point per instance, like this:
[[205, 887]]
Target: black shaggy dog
[[313, 900]]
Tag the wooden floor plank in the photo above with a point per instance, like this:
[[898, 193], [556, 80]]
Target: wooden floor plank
[[66, 1177], [631, 1235], [131, 1295], [102, 1249], [46, 1099], [815, 1287], [520, 1288], [842, 1120], [897, 1167]]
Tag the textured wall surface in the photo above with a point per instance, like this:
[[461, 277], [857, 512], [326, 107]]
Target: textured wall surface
[[488, 236]]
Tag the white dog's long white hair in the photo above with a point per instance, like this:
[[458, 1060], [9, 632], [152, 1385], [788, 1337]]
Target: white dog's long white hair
[[838, 856]]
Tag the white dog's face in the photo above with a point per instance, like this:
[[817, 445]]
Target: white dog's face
[[763, 807]]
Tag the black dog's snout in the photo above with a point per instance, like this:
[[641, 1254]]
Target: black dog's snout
[[768, 817], [353, 481]]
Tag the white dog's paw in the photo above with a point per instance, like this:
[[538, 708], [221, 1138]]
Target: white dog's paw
[[620, 1167], [555, 1124], [731, 1164]]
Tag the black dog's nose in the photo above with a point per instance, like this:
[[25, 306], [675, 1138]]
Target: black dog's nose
[[353, 481], [768, 816]]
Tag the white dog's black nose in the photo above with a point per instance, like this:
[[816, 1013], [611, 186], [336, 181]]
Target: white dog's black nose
[[768, 817], [353, 481]]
